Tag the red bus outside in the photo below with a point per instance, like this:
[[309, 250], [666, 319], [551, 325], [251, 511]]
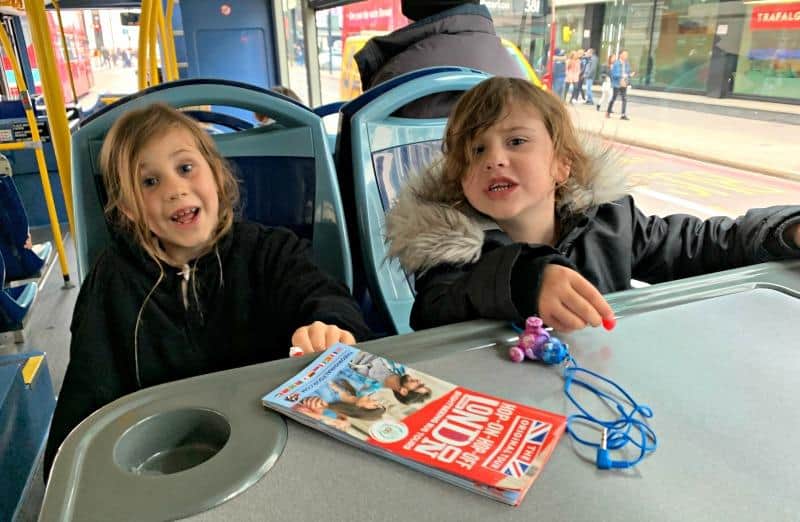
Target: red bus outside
[[80, 56]]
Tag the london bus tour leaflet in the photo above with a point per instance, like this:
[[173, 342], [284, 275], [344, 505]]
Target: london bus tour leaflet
[[485, 444]]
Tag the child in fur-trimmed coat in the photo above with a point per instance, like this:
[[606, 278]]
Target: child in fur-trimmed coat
[[520, 219]]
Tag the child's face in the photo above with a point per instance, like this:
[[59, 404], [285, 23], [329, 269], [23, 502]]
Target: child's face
[[181, 202], [513, 173]]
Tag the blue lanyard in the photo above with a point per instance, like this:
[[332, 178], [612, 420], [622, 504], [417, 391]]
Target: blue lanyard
[[628, 427]]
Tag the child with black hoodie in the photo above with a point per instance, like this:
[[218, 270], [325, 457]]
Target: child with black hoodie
[[184, 289]]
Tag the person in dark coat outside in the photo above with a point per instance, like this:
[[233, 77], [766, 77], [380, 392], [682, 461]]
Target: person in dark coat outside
[[444, 32], [589, 70]]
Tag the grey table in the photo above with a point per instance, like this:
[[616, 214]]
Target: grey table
[[716, 357]]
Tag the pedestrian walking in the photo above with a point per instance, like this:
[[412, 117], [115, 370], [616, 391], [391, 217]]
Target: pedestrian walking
[[606, 90], [573, 73], [620, 79], [589, 70]]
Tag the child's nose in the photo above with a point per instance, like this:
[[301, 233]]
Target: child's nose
[[175, 188], [495, 158]]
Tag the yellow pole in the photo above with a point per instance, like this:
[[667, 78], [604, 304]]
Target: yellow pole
[[162, 32], [66, 52], [143, 45], [54, 100], [36, 142], [152, 37], [173, 58]]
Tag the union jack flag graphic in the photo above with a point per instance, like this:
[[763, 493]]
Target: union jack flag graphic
[[533, 441]]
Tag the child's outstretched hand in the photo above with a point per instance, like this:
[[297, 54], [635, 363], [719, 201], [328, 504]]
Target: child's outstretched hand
[[793, 232], [317, 336], [569, 302]]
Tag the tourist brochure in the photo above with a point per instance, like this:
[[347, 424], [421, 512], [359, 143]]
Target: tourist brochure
[[485, 444]]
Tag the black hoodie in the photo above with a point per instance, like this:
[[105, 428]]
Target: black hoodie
[[206, 323]]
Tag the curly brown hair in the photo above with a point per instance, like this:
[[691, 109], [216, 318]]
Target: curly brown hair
[[489, 102], [120, 163]]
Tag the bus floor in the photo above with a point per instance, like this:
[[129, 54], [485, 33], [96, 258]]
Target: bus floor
[[47, 330]]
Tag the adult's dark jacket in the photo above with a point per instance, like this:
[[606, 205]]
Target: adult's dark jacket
[[462, 36], [467, 268], [269, 288]]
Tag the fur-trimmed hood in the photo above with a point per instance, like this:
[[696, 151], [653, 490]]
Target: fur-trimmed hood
[[425, 229]]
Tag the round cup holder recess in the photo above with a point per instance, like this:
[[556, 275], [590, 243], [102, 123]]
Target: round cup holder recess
[[172, 441]]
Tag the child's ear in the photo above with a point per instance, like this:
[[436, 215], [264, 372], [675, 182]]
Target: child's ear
[[127, 213], [563, 168]]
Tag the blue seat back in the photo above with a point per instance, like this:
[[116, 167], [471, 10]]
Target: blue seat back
[[15, 301], [285, 169], [27, 402], [376, 153], [20, 262]]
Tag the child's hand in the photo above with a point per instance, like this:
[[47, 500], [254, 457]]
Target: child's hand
[[569, 302], [317, 336], [793, 233]]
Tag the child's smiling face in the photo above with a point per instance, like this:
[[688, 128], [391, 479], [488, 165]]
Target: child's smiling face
[[513, 172], [181, 202]]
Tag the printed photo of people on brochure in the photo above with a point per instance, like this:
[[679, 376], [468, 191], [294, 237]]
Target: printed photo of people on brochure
[[368, 389]]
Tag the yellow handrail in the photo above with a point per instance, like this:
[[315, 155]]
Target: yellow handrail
[[170, 38], [152, 37], [143, 44], [54, 100], [36, 143], [66, 52]]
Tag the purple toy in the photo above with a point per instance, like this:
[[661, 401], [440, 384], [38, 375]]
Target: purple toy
[[536, 343]]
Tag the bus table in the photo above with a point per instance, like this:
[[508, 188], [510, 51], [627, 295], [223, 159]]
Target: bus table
[[716, 357]]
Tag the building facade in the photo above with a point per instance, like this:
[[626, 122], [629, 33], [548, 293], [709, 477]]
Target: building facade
[[748, 49]]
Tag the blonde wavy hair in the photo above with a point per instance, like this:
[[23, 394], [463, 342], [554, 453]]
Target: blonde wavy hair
[[120, 159], [489, 102]]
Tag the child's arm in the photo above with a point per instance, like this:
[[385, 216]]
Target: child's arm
[[92, 379], [508, 283], [316, 310], [681, 246]]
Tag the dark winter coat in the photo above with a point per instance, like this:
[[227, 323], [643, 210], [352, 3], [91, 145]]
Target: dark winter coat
[[467, 268], [269, 288], [462, 36], [591, 66]]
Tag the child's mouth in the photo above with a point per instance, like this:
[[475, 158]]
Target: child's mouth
[[499, 187], [185, 215]]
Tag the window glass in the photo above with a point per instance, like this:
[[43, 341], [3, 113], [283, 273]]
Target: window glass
[[769, 54]]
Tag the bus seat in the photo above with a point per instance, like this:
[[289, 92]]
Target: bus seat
[[14, 302], [285, 168], [330, 109], [27, 402], [375, 153], [20, 262]]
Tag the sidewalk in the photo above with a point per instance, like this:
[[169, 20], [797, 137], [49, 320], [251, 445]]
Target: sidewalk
[[705, 129]]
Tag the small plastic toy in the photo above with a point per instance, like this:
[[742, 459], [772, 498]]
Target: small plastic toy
[[609, 323], [537, 343]]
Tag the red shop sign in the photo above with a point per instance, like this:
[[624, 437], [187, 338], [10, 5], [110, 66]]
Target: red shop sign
[[776, 16]]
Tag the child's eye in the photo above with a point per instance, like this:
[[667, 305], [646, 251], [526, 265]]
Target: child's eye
[[478, 149], [517, 141], [186, 167], [150, 181]]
